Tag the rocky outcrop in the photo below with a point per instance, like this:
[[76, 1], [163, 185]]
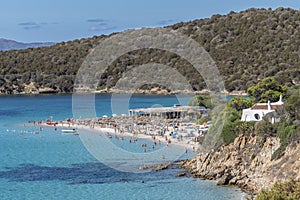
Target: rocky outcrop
[[155, 90], [46, 90], [247, 164], [156, 167], [30, 88], [160, 91]]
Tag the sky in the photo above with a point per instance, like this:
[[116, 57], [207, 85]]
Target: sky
[[64, 20]]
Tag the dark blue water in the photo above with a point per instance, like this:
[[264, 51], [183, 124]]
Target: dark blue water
[[50, 165]]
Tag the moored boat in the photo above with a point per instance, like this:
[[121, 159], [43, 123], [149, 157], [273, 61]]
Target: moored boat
[[68, 130]]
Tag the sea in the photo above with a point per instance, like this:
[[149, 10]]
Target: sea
[[42, 163]]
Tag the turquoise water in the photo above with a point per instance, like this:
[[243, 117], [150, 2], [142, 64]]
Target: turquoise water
[[50, 165]]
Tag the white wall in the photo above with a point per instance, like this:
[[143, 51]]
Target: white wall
[[254, 115]]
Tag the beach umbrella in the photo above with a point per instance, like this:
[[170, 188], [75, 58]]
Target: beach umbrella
[[173, 123], [175, 133]]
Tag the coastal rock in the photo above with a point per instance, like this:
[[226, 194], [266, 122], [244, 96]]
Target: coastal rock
[[180, 174], [224, 180], [156, 167], [30, 88], [247, 164], [46, 90]]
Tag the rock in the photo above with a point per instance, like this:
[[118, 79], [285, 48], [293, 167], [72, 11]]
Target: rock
[[243, 143], [247, 164], [236, 141], [123, 179], [225, 179], [46, 90], [234, 180], [156, 167], [144, 167], [30, 88], [180, 174]]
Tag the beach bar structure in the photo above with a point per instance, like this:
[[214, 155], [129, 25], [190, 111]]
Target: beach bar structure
[[175, 112]]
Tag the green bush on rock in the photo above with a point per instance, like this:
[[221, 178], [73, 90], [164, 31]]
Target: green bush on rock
[[281, 191]]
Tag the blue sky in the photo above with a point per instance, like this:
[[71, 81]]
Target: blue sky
[[63, 20]]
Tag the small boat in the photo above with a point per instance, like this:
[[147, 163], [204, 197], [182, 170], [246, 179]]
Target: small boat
[[68, 130]]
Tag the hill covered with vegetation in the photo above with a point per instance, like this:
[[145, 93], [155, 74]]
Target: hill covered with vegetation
[[246, 46]]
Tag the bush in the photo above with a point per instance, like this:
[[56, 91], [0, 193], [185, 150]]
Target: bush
[[292, 105], [289, 190], [232, 121], [284, 132], [201, 100], [232, 129], [203, 119], [265, 128], [229, 132]]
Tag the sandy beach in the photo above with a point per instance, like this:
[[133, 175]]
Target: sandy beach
[[135, 128], [188, 143]]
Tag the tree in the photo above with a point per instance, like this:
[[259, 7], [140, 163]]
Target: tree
[[240, 103], [267, 89], [202, 100], [292, 105]]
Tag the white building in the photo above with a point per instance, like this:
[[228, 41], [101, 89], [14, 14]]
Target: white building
[[256, 112]]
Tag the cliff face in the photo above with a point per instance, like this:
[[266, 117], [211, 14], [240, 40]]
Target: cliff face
[[247, 164]]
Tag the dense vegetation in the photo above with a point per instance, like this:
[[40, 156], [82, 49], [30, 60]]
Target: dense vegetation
[[267, 90], [246, 46], [289, 190], [52, 67], [251, 45]]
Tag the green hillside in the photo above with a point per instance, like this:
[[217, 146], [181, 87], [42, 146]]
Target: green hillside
[[246, 46]]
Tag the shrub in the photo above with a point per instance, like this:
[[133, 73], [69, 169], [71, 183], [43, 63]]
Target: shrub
[[201, 100], [203, 119], [284, 132], [288, 190]]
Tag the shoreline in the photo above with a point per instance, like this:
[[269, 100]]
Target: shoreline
[[186, 143], [155, 167], [146, 92], [163, 150], [246, 165]]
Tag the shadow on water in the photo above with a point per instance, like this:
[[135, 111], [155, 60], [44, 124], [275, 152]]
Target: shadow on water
[[9, 113], [90, 173]]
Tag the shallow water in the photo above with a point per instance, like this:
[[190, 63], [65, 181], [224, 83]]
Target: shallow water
[[51, 165]]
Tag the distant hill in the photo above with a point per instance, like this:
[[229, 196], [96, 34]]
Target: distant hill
[[246, 46], [14, 45]]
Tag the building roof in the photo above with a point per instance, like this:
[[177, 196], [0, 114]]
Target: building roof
[[169, 109], [264, 107], [268, 106]]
